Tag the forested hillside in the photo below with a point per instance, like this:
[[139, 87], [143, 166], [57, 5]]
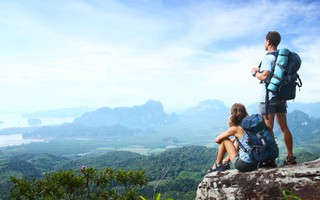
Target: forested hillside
[[175, 172], [175, 151], [207, 117]]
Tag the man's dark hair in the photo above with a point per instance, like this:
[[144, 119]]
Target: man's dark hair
[[273, 37]]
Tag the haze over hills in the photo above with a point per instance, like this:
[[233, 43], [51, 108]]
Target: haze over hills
[[144, 130], [311, 109], [207, 117], [148, 115], [150, 119], [147, 118], [58, 113]]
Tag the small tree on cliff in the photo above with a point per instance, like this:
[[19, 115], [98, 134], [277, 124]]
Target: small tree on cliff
[[87, 183]]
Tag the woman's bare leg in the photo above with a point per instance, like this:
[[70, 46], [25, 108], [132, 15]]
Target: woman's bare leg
[[226, 146], [230, 148], [221, 153], [235, 144]]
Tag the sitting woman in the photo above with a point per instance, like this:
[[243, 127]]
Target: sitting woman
[[239, 158]]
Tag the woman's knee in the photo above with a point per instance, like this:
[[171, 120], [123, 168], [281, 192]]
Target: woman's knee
[[226, 142]]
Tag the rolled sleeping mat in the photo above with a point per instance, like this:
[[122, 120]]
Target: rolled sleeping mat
[[279, 69]]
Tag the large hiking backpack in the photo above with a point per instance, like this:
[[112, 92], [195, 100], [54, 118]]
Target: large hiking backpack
[[262, 143], [284, 77]]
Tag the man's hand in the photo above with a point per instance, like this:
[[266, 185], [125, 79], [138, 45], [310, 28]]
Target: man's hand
[[254, 70]]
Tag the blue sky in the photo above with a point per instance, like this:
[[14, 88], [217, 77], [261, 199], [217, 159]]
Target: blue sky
[[64, 54]]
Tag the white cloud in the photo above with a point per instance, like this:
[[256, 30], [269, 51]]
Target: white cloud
[[120, 53]]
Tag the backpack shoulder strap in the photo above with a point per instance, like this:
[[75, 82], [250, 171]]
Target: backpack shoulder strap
[[275, 54], [241, 146]]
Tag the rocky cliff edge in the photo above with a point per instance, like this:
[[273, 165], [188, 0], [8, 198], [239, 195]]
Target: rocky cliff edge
[[302, 180]]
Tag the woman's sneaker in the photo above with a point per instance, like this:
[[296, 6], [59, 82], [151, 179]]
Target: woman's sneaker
[[219, 167], [290, 161]]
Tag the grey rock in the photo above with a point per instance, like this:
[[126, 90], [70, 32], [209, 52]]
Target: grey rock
[[303, 180]]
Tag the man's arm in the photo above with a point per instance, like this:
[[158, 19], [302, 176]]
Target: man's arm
[[262, 76], [263, 72]]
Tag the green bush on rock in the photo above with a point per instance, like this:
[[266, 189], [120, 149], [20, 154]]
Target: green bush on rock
[[87, 183]]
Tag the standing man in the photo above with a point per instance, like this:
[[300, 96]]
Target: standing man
[[276, 108]]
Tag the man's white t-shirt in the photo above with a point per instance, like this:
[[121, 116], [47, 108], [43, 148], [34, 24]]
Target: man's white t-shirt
[[267, 63]]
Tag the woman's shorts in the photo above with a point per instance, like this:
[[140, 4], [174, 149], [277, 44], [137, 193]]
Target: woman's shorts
[[275, 106], [243, 166]]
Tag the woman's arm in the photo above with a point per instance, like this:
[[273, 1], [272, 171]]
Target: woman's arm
[[231, 131]]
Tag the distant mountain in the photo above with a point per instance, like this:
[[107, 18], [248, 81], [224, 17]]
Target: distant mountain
[[34, 122], [18, 130], [303, 120], [146, 116], [207, 108], [58, 113], [126, 121], [311, 109], [69, 130], [253, 108], [303, 127], [206, 113], [206, 117]]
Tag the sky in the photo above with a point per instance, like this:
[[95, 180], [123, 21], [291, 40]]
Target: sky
[[120, 53]]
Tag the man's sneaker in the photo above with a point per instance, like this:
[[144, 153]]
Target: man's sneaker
[[290, 161], [219, 167], [269, 163]]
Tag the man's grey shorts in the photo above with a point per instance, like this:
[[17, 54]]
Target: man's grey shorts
[[275, 106]]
